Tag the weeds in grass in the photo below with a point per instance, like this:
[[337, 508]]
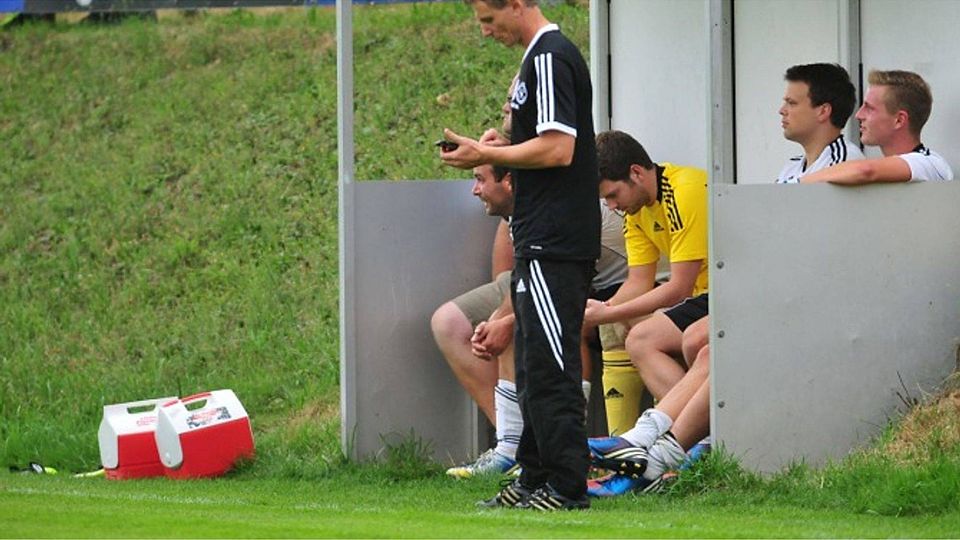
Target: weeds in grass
[[716, 470], [865, 482], [407, 457]]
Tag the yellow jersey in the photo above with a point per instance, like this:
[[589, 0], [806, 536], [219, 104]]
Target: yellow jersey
[[674, 225]]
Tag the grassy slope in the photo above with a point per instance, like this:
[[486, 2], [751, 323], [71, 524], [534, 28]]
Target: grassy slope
[[167, 225], [168, 209]]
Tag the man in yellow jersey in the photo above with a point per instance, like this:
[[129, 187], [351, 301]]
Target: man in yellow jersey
[[666, 214]]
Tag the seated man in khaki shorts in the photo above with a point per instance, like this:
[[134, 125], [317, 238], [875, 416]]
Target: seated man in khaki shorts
[[491, 383], [453, 325]]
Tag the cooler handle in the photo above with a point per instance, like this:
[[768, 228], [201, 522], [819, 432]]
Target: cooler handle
[[195, 397], [125, 407]]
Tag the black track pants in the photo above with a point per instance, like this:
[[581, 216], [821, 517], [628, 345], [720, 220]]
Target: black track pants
[[549, 297]]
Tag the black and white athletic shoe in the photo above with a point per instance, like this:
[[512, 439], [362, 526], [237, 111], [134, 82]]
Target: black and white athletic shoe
[[547, 499], [618, 455], [512, 494]]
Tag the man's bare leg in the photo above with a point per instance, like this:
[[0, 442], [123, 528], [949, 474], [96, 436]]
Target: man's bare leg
[[679, 397], [691, 426], [695, 338], [652, 345], [452, 332]]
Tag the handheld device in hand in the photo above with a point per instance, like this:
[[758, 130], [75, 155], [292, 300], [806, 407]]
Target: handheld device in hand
[[446, 145]]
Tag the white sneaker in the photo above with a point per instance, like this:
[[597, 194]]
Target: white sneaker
[[665, 455], [489, 462], [649, 427]]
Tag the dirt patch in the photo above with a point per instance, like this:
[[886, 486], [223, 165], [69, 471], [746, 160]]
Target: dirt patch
[[319, 411], [930, 428]]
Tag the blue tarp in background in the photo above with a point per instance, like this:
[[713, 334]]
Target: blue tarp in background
[[11, 5]]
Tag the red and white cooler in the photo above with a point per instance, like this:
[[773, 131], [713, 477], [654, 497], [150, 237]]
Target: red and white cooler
[[203, 435], [128, 447]]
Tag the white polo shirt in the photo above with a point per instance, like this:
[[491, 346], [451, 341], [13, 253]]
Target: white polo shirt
[[925, 164], [837, 151]]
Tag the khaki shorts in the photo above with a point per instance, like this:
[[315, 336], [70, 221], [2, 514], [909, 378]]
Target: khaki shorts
[[478, 304], [613, 336]]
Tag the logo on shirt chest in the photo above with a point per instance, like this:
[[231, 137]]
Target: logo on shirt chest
[[519, 95]]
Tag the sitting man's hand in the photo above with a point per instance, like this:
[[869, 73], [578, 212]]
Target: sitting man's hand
[[491, 338], [595, 313]]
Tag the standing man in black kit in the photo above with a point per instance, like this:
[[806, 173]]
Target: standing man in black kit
[[556, 235]]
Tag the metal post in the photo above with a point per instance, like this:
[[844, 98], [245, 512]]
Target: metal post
[[722, 149], [600, 63], [723, 160], [850, 53], [345, 159]]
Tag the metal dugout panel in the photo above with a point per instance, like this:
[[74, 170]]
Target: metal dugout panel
[[823, 300], [413, 246]]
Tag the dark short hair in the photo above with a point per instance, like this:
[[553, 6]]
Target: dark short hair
[[828, 83], [908, 92], [499, 172], [616, 152]]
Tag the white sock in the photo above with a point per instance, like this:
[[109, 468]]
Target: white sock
[[585, 385], [665, 455], [509, 420], [649, 427]]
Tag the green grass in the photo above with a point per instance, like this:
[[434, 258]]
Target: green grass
[[370, 505], [168, 202]]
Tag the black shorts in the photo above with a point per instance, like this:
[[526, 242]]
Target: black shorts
[[688, 312], [606, 293]]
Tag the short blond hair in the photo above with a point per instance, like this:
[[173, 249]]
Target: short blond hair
[[908, 92]]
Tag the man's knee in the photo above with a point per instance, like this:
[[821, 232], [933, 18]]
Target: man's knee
[[450, 323], [702, 360], [656, 334], [695, 338]]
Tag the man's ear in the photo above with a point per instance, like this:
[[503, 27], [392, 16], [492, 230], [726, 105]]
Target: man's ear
[[636, 174], [901, 120], [826, 110], [508, 181]]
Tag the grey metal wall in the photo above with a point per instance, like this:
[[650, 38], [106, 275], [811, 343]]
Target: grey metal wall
[[825, 297], [413, 245]]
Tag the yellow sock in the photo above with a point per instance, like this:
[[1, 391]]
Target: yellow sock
[[622, 390], [622, 386]]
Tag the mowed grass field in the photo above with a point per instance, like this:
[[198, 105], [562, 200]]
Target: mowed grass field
[[360, 506], [168, 200]]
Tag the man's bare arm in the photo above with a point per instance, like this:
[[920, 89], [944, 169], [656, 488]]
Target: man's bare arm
[[640, 280], [502, 257], [863, 171], [683, 278], [549, 149]]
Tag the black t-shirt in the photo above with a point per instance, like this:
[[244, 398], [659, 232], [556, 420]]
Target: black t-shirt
[[556, 212]]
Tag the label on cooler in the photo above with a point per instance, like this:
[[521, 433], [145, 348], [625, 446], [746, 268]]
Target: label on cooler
[[204, 427]]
